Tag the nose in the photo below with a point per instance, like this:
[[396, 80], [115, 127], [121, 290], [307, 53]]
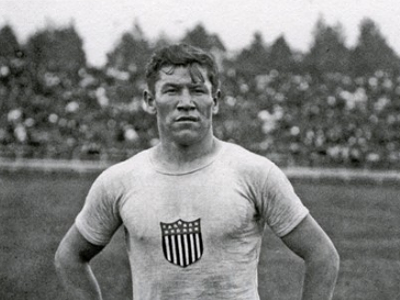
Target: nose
[[185, 101]]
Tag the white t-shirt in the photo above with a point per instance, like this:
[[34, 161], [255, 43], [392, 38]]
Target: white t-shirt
[[192, 235]]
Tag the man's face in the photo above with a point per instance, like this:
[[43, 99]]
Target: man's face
[[184, 106]]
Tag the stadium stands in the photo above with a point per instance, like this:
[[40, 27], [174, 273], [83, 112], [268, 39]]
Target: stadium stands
[[297, 120]]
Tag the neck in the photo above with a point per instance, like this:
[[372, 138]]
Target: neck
[[176, 157]]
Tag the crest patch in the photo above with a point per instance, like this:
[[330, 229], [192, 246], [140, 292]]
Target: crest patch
[[181, 242]]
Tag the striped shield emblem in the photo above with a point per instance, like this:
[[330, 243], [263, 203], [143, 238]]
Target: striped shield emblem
[[181, 242]]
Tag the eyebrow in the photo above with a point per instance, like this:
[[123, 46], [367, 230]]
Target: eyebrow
[[178, 85], [170, 84]]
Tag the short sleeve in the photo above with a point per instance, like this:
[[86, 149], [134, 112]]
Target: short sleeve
[[283, 209], [99, 218]]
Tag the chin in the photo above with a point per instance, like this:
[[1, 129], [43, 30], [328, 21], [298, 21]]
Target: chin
[[187, 140], [187, 136]]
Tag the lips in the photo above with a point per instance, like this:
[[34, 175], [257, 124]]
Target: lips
[[186, 119]]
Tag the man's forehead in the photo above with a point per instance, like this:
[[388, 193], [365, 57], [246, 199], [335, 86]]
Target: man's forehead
[[195, 73]]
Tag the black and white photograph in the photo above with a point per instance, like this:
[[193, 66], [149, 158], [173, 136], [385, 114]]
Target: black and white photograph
[[181, 150]]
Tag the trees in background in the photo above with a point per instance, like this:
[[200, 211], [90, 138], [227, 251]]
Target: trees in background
[[199, 37], [253, 60], [327, 102], [328, 52], [10, 46], [372, 52], [131, 53], [42, 90], [126, 65], [58, 51], [259, 58], [281, 57], [125, 69]]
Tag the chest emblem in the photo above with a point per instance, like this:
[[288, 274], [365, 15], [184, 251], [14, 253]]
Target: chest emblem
[[181, 242]]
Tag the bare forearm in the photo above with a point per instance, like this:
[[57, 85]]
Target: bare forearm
[[321, 259], [79, 281], [320, 280]]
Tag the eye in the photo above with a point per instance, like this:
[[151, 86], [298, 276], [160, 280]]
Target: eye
[[199, 90], [170, 90]]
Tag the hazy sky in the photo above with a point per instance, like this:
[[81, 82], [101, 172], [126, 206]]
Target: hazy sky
[[101, 22]]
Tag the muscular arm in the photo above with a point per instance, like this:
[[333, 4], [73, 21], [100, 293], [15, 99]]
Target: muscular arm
[[311, 243], [72, 264]]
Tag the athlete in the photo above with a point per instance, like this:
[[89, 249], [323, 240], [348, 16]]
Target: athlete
[[193, 207]]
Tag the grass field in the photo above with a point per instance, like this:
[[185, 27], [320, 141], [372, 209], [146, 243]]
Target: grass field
[[36, 209]]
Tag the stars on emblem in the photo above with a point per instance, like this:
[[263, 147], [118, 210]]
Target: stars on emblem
[[181, 227]]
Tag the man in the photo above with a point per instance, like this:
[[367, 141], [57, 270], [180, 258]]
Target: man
[[193, 207]]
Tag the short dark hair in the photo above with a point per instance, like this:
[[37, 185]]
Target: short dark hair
[[182, 55]]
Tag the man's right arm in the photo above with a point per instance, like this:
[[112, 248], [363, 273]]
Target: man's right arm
[[72, 265]]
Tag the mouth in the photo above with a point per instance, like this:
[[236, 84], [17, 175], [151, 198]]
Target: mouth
[[186, 119]]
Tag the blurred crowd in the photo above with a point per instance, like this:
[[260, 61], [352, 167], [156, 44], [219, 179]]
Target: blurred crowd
[[296, 120], [332, 106], [332, 120]]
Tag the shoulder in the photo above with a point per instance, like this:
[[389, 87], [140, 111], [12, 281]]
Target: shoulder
[[130, 168], [244, 160]]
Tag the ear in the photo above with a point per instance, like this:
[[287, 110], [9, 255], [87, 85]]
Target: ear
[[216, 98], [150, 103]]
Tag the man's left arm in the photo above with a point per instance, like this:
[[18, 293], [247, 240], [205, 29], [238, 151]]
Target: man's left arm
[[311, 243]]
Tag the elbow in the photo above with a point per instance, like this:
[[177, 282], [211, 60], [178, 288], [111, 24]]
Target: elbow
[[67, 258], [327, 259], [63, 259], [58, 260], [332, 261], [330, 266], [332, 257], [335, 260]]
